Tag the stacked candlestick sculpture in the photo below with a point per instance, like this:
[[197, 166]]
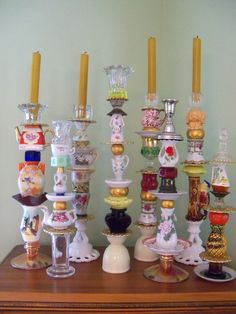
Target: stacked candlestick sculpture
[[216, 246], [31, 176], [116, 257], [166, 243], [81, 250], [194, 166], [83, 156], [60, 223], [151, 122], [198, 191], [147, 221]]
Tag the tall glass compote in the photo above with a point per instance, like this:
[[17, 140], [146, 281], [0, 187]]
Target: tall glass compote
[[82, 158], [60, 223], [216, 247], [198, 190], [166, 242], [147, 221], [116, 257]]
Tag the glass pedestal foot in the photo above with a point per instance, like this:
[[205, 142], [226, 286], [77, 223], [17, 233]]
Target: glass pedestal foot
[[165, 271], [60, 272], [24, 262]]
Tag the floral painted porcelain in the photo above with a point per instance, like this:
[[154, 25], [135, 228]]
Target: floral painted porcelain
[[58, 219], [31, 178]]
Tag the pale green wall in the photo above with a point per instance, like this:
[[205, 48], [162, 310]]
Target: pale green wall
[[113, 32]]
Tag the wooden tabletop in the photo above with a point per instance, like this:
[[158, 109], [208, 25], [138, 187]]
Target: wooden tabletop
[[91, 286]]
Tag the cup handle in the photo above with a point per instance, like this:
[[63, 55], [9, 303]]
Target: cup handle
[[96, 155], [55, 177], [72, 151], [73, 212], [48, 131], [163, 118], [127, 160], [44, 209], [64, 178]]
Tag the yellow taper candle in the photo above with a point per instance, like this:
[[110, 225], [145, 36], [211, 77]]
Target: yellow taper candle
[[196, 82], [83, 83], [35, 77], [151, 65]]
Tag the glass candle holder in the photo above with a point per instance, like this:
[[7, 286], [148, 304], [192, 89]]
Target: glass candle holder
[[60, 252]]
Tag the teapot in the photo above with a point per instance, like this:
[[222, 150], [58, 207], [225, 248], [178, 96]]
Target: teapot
[[58, 219], [32, 137]]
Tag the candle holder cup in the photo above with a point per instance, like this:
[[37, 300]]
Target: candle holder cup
[[32, 112]]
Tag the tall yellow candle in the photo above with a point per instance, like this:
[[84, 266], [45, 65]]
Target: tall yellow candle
[[83, 83], [196, 81], [151, 65], [35, 77]]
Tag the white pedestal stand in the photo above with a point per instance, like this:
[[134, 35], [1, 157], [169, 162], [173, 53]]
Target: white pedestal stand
[[116, 259], [81, 250], [190, 256]]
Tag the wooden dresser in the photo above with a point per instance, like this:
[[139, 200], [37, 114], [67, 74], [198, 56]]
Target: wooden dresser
[[91, 290]]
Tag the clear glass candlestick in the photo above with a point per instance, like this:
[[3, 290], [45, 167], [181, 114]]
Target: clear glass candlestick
[[60, 252]]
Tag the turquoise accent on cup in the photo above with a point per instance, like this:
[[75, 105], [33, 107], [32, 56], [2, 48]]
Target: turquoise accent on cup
[[60, 161]]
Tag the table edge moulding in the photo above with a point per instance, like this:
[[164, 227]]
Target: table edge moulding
[[93, 290]]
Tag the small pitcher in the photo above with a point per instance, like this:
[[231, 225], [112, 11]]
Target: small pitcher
[[119, 163]]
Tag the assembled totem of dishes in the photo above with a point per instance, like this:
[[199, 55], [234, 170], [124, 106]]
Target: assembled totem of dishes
[[151, 124], [83, 157], [216, 247], [166, 242], [60, 222], [116, 258], [31, 139], [194, 165]]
